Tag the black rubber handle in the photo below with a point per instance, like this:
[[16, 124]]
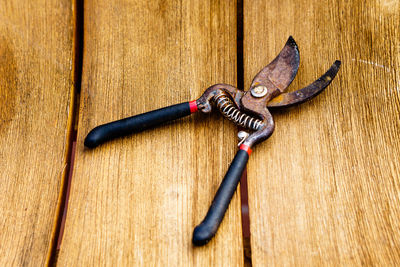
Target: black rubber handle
[[203, 233], [105, 132]]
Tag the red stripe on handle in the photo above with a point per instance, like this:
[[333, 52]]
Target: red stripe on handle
[[246, 148], [193, 106]]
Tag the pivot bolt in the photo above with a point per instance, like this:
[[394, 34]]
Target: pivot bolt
[[259, 91]]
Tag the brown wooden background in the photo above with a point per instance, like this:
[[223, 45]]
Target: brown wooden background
[[323, 190]]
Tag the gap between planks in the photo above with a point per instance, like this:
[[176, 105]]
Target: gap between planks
[[243, 181], [73, 127]]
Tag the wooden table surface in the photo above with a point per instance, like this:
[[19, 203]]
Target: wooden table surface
[[323, 190]]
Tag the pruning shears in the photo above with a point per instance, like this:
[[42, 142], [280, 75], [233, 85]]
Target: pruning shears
[[247, 109]]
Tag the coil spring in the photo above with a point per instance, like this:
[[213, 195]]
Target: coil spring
[[230, 111]]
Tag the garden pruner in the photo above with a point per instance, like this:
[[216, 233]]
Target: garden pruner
[[247, 109]]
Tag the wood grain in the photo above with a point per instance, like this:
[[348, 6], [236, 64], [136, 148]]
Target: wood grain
[[36, 54], [136, 200], [324, 189]]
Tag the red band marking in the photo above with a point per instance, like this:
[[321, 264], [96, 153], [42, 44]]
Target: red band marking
[[193, 106], [246, 148]]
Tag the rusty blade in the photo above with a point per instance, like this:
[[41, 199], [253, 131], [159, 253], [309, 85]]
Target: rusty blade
[[281, 71], [300, 96]]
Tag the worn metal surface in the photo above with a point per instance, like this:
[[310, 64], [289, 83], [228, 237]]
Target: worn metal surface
[[300, 96], [266, 91]]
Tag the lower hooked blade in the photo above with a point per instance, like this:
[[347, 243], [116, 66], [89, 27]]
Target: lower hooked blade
[[300, 96]]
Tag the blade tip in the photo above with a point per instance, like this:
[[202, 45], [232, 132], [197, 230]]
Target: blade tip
[[291, 41]]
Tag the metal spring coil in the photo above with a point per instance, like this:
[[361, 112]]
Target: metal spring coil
[[230, 111]]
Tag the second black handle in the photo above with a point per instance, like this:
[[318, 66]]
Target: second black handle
[[106, 132], [203, 233]]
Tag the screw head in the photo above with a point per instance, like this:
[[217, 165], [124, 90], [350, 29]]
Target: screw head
[[242, 135], [259, 91]]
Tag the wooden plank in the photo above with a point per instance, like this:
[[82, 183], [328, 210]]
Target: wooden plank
[[324, 189], [36, 55], [136, 200]]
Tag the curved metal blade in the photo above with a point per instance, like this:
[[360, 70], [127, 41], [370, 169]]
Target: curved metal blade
[[300, 96], [282, 70]]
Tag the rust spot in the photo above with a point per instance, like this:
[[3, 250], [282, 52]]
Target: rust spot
[[277, 99]]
